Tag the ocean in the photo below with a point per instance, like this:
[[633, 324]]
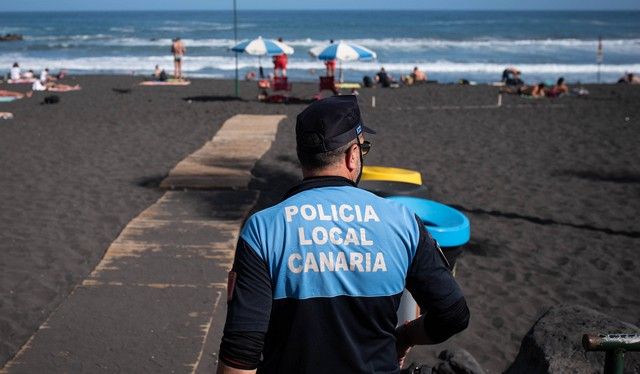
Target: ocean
[[448, 45]]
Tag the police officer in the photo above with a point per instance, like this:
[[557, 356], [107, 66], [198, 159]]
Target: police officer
[[317, 279]]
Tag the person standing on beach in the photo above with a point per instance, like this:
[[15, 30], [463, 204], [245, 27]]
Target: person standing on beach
[[330, 65], [178, 50], [317, 279], [280, 63]]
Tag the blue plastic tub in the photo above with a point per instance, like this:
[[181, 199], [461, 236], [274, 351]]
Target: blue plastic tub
[[448, 226]]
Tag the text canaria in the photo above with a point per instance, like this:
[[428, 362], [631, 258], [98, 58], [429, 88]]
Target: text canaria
[[335, 261]]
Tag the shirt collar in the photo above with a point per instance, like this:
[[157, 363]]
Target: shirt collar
[[317, 182]]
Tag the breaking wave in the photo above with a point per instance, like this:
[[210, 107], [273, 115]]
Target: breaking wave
[[128, 64]]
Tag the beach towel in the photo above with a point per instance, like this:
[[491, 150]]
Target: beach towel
[[21, 81], [64, 89], [170, 82], [6, 115], [7, 99]]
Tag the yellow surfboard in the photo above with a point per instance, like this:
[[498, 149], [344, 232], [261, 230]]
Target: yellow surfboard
[[383, 173], [347, 86]]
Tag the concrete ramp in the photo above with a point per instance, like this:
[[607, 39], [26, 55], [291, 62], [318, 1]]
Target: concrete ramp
[[226, 161]]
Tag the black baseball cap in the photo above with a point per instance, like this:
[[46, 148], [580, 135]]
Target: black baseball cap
[[329, 124]]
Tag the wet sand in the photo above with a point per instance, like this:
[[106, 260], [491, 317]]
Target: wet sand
[[551, 188]]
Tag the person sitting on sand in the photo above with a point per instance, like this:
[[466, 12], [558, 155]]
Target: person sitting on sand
[[418, 75], [16, 94], [560, 88], [38, 86], [61, 74], [44, 76], [383, 78], [28, 74], [511, 77], [15, 71], [629, 78], [159, 74]]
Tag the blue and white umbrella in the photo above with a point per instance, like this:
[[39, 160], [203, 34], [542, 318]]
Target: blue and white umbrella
[[261, 47], [343, 51]]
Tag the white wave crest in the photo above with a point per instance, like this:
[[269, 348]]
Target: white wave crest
[[199, 63], [81, 37], [412, 44], [128, 29], [388, 45]]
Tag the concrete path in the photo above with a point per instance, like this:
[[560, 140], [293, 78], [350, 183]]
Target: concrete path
[[156, 301]]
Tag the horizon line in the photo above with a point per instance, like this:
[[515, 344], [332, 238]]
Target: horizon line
[[330, 10]]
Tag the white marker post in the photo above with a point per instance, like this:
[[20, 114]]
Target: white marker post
[[373, 101]]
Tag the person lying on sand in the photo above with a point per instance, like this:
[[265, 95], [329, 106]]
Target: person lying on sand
[[16, 94], [59, 87], [533, 91], [28, 74], [55, 87], [560, 88]]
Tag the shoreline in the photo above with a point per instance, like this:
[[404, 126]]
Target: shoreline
[[315, 78]]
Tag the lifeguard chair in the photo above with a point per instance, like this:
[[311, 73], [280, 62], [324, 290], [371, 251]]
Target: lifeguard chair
[[280, 84], [328, 83]]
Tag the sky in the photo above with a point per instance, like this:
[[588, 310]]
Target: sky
[[71, 5]]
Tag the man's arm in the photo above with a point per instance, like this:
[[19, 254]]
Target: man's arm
[[249, 298], [435, 290]]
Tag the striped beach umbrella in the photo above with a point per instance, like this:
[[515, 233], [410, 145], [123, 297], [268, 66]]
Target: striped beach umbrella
[[343, 51], [261, 47]]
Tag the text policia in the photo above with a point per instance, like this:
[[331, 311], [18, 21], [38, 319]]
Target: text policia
[[339, 260]]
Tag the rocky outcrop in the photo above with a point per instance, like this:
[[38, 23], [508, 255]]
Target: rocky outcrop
[[452, 361], [554, 343], [10, 37], [457, 361]]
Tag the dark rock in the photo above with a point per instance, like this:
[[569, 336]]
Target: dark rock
[[554, 343], [414, 368], [10, 37], [457, 361]]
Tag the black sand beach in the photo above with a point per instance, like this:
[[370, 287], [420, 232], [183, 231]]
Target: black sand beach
[[551, 187]]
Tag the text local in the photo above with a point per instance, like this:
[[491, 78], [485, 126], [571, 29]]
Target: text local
[[321, 235]]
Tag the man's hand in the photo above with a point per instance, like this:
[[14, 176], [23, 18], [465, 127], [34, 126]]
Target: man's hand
[[402, 354], [403, 346], [224, 369]]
